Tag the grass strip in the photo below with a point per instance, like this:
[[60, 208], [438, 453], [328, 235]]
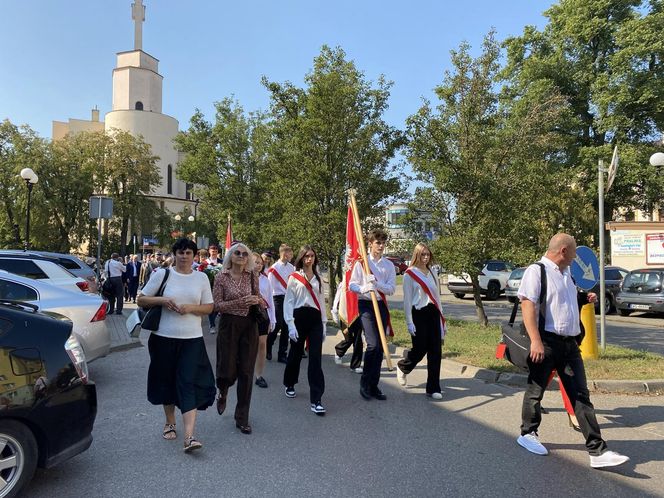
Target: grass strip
[[473, 344]]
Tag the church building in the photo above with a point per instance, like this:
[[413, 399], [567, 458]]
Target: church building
[[137, 108]]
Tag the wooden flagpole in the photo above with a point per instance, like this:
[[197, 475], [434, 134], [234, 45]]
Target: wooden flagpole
[[365, 266]]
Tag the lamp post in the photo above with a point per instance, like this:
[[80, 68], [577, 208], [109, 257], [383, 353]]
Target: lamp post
[[31, 179]]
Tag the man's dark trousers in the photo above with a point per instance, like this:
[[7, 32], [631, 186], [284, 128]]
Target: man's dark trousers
[[373, 356], [280, 326], [563, 354]]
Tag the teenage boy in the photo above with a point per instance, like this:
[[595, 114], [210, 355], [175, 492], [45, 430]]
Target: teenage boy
[[278, 275], [381, 281]]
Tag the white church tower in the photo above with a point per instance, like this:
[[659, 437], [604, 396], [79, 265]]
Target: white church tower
[[137, 106]]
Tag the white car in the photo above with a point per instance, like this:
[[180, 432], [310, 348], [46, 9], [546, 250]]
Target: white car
[[86, 311], [41, 268], [492, 279]]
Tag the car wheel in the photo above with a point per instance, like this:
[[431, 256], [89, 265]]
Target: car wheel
[[493, 291], [459, 295], [18, 457], [625, 312]]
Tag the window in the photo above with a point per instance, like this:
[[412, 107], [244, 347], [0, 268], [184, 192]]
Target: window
[[169, 179], [70, 264], [22, 267], [189, 195], [16, 292], [139, 105]]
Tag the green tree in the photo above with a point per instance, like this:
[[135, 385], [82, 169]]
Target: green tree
[[327, 137], [489, 165]]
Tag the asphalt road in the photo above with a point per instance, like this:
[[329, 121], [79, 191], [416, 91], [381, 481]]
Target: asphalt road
[[405, 446]]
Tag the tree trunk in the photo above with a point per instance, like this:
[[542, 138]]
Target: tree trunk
[[479, 305]]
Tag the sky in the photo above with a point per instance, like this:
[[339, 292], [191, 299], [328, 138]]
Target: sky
[[57, 56]]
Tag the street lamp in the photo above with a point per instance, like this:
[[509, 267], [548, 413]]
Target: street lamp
[[178, 226], [191, 218], [30, 178]]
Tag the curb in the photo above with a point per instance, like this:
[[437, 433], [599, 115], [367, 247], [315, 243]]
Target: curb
[[135, 343]]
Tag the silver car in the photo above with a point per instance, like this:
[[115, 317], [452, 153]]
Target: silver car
[[86, 311], [75, 265], [513, 283], [641, 290]]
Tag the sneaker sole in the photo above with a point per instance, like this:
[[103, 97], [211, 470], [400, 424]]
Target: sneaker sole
[[605, 465], [523, 445], [317, 412], [291, 395]]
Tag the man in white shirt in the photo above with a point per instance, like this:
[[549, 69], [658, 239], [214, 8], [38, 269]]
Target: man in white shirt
[[114, 269], [213, 259], [556, 347], [382, 280], [278, 275]]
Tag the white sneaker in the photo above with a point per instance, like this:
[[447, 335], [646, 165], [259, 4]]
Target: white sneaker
[[607, 459], [357, 370], [317, 408], [531, 443], [436, 396], [401, 377], [338, 359]]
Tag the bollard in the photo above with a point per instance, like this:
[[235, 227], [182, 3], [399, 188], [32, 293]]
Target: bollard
[[589, 350]]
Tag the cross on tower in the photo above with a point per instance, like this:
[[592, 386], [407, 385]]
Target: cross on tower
[[138, 15]]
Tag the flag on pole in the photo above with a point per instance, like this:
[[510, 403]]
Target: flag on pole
[[229, 234], [612, 169], [352, 256]]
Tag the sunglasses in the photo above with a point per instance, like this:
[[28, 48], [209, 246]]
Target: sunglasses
[[244, 254]]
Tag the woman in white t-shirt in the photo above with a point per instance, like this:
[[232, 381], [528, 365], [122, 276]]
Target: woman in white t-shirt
[[180, 373]]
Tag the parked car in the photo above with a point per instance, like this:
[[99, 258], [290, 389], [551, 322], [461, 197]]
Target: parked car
[[47, 403], [399, 265], [513, 283], [86, 311], [641, 290], [40, 267], [613, 277], [492, 280], [75, 265]]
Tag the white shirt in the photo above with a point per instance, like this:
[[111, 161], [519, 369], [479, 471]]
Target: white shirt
[[382, 269], [192, 288], [298, 296], [562, 309], [213, 262], [266, 293], [115, 268], [284, 270]]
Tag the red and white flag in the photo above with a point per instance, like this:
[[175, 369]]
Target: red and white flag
[[229, 234], [349, 299]]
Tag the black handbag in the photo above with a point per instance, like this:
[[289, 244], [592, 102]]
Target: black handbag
[[516, 339], [150, 317], [257, 312], [107, 288]]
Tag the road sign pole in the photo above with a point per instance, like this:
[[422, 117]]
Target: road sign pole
[[602, 283]]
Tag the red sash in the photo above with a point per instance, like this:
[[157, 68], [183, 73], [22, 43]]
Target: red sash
[[390, 330], [427, 291], [279, 278], [305, 282]]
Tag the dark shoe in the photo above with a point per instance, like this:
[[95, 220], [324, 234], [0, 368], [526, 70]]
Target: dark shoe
[[290, 392], [221, 404], [110, 312], [378, 394], [364, 392], [268, 356], [244, 429], [261, 382], [283, 359], [118, 312], [317, 408]]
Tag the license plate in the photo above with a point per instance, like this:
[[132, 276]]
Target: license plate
[[639, 306]]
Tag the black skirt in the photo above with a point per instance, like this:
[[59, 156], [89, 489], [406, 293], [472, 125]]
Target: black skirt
[[180, 373]]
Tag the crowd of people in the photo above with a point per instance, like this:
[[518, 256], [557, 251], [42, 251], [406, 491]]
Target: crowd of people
[[254, 302]]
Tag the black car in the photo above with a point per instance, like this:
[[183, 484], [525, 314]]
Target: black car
[[47, 404], [613, 277]]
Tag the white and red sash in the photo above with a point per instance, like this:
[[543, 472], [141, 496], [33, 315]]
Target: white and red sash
[[279, 278], [412, 273], [303, 280]]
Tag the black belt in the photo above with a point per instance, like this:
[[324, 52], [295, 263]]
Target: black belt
[[559, 337]]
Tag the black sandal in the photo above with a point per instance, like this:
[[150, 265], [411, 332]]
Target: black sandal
[[191, 444], [169, 429]]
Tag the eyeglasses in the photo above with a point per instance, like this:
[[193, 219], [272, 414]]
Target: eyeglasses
[[244, 254]]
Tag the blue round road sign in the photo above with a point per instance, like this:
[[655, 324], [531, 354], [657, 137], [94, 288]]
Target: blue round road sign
[[585, 268]]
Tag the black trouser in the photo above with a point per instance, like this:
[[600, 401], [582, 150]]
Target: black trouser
[[116, 295], [280, 326], [353, 338], [132, 287], [373, 356], [426, 341], [563, 355], [308, 324]]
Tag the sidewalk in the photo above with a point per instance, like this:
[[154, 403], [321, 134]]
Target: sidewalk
[[120, 339]]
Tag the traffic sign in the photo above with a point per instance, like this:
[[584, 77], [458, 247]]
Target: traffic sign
[[585, 268]]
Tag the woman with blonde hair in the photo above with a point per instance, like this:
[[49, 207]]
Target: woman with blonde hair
[[424, 319], [236, 289], [266, 294]]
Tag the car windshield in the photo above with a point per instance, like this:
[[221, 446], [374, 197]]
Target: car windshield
[[518, 273], [646, 281]]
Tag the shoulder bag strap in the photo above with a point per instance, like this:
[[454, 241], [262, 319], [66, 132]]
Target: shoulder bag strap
[[542, 298], [160, 292]]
